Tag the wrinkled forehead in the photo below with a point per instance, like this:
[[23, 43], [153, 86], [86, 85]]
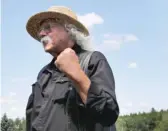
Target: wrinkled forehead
[[48, 21], [51, 21]]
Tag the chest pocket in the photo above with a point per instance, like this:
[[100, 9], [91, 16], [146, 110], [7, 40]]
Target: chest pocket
[[62, 90], [37, 88], [38, 100]]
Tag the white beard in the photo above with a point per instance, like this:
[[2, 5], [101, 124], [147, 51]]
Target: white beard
[[45, 40]]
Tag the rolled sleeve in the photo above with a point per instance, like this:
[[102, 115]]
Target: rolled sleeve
[[101, 99]]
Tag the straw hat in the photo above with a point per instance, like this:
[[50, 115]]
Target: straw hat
[[60, 14]]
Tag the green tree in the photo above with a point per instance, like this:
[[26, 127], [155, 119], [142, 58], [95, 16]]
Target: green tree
[[18, 124], [24, 124], [163, 126], [6, 124]]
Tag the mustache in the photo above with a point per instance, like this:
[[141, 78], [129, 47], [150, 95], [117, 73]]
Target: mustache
[[46, 39]]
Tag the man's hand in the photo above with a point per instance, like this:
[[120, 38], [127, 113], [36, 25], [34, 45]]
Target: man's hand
[[68, 62]]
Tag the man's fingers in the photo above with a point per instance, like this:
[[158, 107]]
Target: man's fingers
[[69, 50]]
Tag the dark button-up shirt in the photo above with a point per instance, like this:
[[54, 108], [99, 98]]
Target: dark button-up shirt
[[54, 104]]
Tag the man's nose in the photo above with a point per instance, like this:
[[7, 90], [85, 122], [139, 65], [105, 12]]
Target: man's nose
[[42, 33]]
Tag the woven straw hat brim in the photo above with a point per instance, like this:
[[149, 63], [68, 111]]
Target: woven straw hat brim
[[33, 23]]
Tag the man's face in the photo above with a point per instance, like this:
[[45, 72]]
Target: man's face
[[56, 33]]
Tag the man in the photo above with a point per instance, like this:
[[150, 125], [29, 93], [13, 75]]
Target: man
[[65, 97]]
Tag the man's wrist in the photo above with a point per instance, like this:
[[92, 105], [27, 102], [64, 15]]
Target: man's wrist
[[82, 84], [80, 77]]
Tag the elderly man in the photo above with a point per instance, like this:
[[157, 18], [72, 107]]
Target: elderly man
[[66, 96]]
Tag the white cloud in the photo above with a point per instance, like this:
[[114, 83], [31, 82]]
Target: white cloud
[[12, 94], [13, 107], [108, 45], [106, 35], [124, 111], [143, 104], [110, 41], [127, 107], [132, 65], [130, 37], [129, 104], [19, 79], [114, 41], [7, 100], [121, 37], [14, 111], [90, 19], [14, 101]]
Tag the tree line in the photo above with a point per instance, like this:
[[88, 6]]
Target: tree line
[[151, 121]]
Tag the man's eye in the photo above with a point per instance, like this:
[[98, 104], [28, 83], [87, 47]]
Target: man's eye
[[47, 27]]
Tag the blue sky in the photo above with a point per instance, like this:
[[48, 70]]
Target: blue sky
[[132, 35]]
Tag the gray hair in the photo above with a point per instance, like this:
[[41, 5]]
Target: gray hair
[[79, 38]]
